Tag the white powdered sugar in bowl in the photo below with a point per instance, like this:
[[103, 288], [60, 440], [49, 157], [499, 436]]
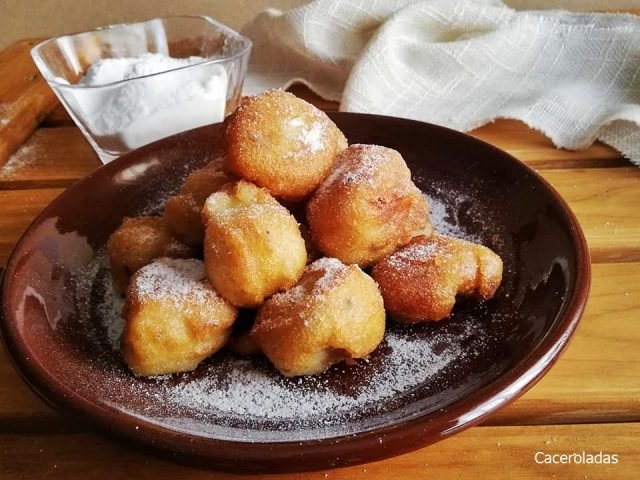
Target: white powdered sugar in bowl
[[135, 107]]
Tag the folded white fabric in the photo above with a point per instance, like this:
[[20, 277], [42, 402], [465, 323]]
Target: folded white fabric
[[461, 64]]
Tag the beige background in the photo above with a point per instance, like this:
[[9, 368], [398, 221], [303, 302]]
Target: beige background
[[44, 18]]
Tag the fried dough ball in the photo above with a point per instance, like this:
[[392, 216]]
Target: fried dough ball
[[136, 243], [253, 246], [420, 281], [173, 318], [335, 313], [282, 143], [367, 207], [182, 211]]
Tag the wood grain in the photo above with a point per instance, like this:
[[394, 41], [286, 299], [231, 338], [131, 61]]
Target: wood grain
[[474, 454], [596, 380], [18, 208], [52, 157], [606, 202], [537, 151], [25, 98]]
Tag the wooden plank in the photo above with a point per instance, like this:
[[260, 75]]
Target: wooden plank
[[606, 203], [18, 208], [25, 98], [52, 157], [539, 152], [596, 380], [491, 453]]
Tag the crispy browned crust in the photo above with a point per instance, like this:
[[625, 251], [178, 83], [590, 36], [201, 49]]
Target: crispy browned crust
[[182, 211], [137, 242], [332, 314], [253, 247], [367, 207], [282, 143], [420, 281]]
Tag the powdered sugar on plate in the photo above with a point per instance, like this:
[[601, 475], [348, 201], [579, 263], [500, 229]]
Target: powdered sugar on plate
[[253, 390], [445, 209], [247, 391], [245, 397]]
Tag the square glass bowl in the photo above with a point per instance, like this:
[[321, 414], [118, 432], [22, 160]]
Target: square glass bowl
[[155, 100]]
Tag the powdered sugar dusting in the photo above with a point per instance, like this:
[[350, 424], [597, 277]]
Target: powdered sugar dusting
[[249, 389], [246, 398], [313, 136], [444, 211], [331, 269], [254, 391], [417, 252], [309, 290], [171, 279], [24, 157], [310, 134], [368, 160], [110, 314]]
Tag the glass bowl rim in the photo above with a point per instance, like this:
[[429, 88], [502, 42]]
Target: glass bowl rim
[[44, 70]]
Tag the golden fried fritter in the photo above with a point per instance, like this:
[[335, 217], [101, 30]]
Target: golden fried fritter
[[253, 246], [136, 243], [367, 207], [420, 281], [182, 211], [173, 318], [282, 143], [334, 313]]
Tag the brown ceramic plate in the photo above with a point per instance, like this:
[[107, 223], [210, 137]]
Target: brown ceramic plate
[[422, 384]]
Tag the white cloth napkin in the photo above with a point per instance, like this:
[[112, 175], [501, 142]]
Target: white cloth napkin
[[461, 64]]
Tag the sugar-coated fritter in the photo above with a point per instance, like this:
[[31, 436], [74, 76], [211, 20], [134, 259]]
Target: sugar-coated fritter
[[253, 247], [335, 313], [173, 318], [137, 242], [367, 207], [420, 281], [182, 211], [282, 143]]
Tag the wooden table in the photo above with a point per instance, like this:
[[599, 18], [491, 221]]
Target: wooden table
[[590, 400]]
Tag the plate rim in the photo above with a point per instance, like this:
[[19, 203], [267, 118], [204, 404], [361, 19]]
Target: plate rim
[[377, 443]]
